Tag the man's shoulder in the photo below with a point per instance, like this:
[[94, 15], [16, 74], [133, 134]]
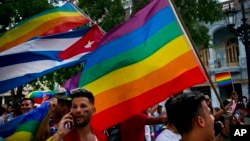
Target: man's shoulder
[[166, 134]]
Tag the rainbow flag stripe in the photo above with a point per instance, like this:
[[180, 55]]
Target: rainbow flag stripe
[[223, 79], [140, 63], [37, 96], [24, 127], [49, 22]]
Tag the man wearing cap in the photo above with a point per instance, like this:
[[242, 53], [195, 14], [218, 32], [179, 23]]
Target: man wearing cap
[[59, 106]]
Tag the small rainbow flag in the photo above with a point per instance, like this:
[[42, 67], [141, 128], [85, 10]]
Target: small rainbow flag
[[37, 96], [53, 21], [223, 79]]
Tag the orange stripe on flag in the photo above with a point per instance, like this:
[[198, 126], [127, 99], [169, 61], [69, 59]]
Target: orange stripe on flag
[[46, 26], [123, 110], [115, 98]]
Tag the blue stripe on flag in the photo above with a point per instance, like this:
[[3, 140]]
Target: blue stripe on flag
[[166, 12], [17, 81], [28, 57]]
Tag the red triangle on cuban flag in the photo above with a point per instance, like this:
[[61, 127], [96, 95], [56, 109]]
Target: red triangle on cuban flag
[[86, 43]]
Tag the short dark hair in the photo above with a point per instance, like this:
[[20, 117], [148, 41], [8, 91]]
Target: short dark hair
[[82, 92], [167, 104], [183, 109], [32, 101], [62, 97]]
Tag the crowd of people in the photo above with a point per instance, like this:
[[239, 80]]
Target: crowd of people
[[184, 117]]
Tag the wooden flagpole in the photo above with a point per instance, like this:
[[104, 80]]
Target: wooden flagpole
[[80, 10], [196, 52], [232, 81]]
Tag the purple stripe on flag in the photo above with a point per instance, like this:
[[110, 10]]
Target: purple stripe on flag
[[225, 82], [73, 82], [137, 21]]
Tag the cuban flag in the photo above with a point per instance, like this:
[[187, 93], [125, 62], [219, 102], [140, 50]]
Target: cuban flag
[[42, 55]]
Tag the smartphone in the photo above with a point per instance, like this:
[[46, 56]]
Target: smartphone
[[68, 124]]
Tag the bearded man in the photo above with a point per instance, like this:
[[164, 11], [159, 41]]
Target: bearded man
[[75, 125]]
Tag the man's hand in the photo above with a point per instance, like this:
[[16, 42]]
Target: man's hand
[[61, 126]]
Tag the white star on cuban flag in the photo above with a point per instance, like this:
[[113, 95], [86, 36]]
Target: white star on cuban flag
[[84, 45]]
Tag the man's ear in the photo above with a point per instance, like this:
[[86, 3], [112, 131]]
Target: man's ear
[[200, 121], [94, 110]]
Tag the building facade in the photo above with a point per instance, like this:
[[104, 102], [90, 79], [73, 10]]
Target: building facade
[[226, 54]]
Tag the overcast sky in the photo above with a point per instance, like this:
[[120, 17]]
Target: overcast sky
[[223, 0]]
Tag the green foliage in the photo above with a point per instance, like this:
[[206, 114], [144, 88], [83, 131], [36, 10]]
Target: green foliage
[[138, 4], [194, 13], [106, 13], [14, 11], [28, 8], [7, 10], [58, 76]]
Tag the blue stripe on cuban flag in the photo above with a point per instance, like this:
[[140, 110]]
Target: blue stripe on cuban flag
[[39, 56]]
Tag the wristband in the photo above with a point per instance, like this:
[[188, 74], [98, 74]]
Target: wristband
[[60, 134]]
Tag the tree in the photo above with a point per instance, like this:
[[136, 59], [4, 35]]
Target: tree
[[106, 13], [194, 14], [59, 76], [14, 11]]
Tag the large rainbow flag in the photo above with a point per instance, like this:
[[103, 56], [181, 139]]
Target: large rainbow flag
[[140, 63], [24, 127], [49, 22], [223, 79]]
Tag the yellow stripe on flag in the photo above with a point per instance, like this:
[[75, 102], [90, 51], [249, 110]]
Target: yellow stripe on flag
[[177, 47]]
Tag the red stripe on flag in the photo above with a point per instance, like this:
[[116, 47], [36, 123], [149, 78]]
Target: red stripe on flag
[[122, 111], [87, 43]]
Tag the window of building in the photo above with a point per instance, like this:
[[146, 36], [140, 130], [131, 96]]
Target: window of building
[[232, 52]]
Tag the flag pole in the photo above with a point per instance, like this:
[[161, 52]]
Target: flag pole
[[92, 21], [232, 81], [196, 52]]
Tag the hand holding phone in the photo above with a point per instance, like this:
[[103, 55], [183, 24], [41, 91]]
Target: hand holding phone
[[68, 124]]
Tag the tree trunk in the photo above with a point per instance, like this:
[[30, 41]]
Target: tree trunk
[[19, 93]]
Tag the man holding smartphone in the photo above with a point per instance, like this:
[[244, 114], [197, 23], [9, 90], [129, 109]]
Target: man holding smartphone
[[75, 125]]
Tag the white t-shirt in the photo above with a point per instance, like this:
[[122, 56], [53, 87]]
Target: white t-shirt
[[167, 135], [147, 133]]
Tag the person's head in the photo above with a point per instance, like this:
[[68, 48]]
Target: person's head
[[159, 109], [2, 110], [27, 105], [234, 95], [208, 100], [190, 114], [9, 108], [63, 104], [244, 99], [82, 106]]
